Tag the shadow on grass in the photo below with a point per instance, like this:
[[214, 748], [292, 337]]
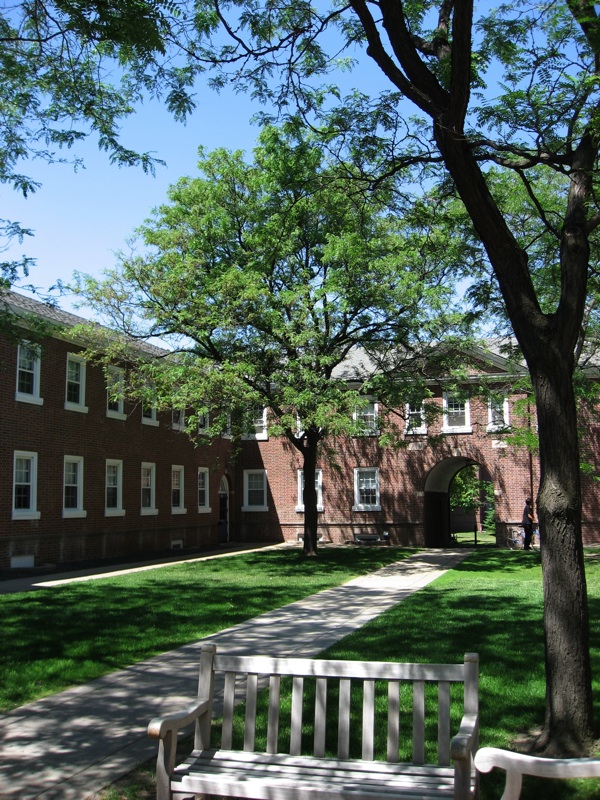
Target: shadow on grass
[[70, 634]]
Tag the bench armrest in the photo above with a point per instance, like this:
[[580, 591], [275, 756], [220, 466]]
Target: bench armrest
[[465, 741], [165, 729], [159, 727], [489, 757]]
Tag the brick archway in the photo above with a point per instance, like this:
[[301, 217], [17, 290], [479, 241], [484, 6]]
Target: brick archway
[[437, 499]]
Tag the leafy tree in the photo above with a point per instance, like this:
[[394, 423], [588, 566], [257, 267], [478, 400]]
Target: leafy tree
[[277, 288], [516, 89], [72, 68]]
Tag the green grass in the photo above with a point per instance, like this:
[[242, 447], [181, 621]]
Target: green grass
[[491, 604], [66, 635]]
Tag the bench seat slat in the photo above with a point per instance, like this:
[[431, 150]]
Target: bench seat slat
[[299, 778]]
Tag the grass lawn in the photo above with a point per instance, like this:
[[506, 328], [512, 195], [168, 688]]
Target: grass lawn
[[66, 635], [491, 604]]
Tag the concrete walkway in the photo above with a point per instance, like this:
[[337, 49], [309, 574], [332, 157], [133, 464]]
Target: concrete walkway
[[72, 744]]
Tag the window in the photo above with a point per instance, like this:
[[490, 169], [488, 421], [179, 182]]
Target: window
[[114, 489], [203, 421], [178, 419], [259, 425], [415, 418], [255, 490], [497, 414], [115, 383], [367, 416], [178, 491], [149, 415], [75, 391], [366, 490], [73, 487], [457, 418], [28, 374], [148, 489], [318, 487], [25, 486], [203, 491]]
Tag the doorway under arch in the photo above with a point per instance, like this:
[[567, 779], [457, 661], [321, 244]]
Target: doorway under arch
[[436, 517]]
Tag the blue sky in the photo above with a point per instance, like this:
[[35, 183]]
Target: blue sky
[[81, 218]]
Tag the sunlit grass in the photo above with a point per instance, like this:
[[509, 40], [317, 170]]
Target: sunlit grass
[[67, 635], [491, 604]]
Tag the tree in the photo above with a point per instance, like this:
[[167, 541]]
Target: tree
[[73, 68], [516, 89], [268, 279]]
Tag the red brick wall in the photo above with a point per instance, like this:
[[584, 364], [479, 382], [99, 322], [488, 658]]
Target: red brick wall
[[405, 473]]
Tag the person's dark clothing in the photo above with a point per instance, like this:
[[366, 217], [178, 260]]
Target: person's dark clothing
[[527, 523]]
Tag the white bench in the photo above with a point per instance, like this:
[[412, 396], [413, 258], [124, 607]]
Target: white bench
[[256, 766], [371, 538], [519, 764]]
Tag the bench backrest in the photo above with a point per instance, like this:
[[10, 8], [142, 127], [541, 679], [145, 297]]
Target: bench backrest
[[307, 697]]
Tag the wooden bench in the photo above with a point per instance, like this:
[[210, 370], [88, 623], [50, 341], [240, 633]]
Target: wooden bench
[[303, 696], [519, 764]]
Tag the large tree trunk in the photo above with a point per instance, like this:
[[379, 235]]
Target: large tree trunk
[[547, 342], [569, 713]]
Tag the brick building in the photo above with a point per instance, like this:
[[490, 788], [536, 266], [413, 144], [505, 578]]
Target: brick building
[[83, 476]]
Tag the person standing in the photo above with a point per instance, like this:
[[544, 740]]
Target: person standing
[[527, 524]]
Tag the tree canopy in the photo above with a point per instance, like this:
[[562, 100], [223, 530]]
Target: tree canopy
[[278, 288]]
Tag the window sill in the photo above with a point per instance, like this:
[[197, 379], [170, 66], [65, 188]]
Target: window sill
[[179, 511], [32, 399], [152, 422], [463, 429], [367, 508], [73, 513], [204, 510], [17, 515], [116, 415], [255, 508], [300, 509], [76, 407], [114, 512], [148, 512]]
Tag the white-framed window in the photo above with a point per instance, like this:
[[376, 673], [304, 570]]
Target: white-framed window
[[457, 414], [203, 421], [318, 487], [149, 415], [366, 489], [115, 383], [255, 490], [203, 491], [259, 430], [178, 419], [113, 499], [148, 490], [75, 386], [415, 418], [28, 374], [178, 490], [25, 474], [497, 414], [73, 487], [367, 417]]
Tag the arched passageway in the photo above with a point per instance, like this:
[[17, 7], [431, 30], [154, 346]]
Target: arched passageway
[[437, 499]]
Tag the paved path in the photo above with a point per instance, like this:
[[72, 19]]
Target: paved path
[[72, 744]]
